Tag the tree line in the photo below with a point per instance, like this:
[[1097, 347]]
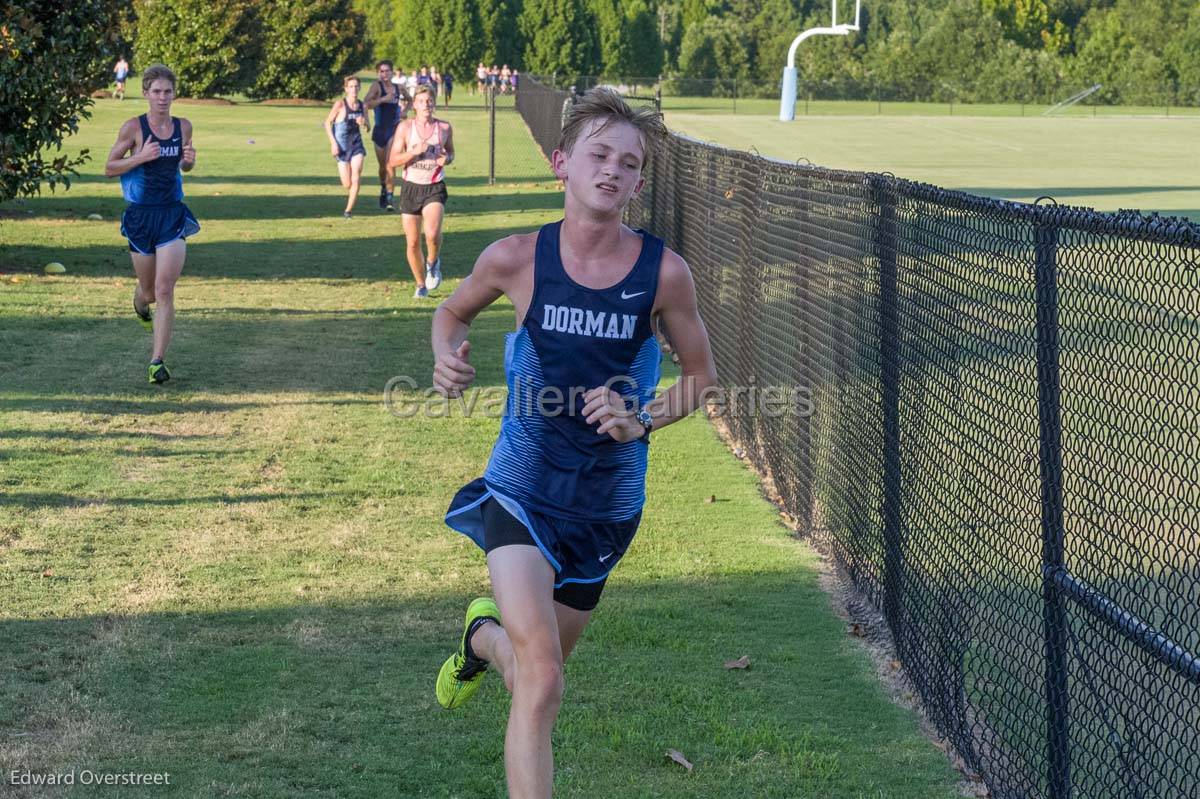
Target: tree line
[[1141, 51]]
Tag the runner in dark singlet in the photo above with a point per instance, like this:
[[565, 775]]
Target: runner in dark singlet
[[343, 125], [149, 154], [389, 102], [562, 495]]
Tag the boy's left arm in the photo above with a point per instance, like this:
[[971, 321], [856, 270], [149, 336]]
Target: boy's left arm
[[448, 148], [188, 151], [679, 313], [677, 310]]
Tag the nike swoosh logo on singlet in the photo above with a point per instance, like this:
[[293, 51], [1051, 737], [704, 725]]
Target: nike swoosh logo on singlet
[[625, 296]]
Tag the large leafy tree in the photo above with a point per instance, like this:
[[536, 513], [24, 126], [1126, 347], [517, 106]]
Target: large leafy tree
[[616, 49], [1183, 53], [53, 55], [213, 48], [1028, 23], [500, 22], [715, 47], [447, 34], [379, 34], [456, 36], [559, 38], [308, 46], [773, 28], [646, 46]]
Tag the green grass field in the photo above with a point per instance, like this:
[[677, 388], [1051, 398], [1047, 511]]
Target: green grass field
[[812, 107], [242, 578], [1106, 163]]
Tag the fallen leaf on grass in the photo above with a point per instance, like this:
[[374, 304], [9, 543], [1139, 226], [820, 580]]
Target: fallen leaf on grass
[[679, 758], [741, 663], [856, 630], [710, 499], [48, 573]]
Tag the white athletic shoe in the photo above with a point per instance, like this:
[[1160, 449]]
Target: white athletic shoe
[[433, 274]]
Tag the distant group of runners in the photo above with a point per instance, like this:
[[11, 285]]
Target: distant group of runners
[[421, 147], [499, 79], [561, 498]]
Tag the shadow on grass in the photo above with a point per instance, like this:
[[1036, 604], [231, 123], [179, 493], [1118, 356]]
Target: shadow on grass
[[357, 256], [205, 179], [164, 402], [327, 206], [214, 352], [89, 435], [337, 698], [34, 500]]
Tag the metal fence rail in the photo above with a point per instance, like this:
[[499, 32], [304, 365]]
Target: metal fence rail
[[1003, 448]]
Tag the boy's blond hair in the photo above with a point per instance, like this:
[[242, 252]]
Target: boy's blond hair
[[606, 105], [157, 72]]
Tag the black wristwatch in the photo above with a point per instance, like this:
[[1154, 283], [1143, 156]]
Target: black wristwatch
[[647, 422]]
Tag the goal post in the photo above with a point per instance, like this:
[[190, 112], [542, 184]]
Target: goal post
[[787, 95]]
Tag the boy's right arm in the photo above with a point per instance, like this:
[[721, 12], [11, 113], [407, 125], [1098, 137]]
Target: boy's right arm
[[118, 163], [374, 96], [491, 278], [329, 120]]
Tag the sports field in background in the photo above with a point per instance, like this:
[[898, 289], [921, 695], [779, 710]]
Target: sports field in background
[[1109, 162], [242, 578], [764, 106]]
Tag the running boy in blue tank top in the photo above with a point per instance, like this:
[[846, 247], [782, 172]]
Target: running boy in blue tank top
[[150, 152], [562, 494]]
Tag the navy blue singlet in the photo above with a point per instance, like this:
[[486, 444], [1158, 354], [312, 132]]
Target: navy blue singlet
[[387, 116], [156, 214], [580, 494], [156, 182], [346, 130]]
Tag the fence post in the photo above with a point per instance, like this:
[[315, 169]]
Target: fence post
[[1054, 622], [492, 140], [889, 350]]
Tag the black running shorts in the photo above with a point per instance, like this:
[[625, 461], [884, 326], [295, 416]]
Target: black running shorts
[[415, 196], [501, 528]]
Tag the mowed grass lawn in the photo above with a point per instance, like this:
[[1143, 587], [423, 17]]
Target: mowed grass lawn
[[1106, 163], [242, 578]]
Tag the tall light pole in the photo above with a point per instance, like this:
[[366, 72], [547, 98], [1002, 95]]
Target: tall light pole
[[787, 96]]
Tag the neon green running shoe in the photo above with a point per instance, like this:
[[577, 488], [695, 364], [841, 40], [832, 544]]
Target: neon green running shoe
[[462, 672], [159, 373], [143, 312]]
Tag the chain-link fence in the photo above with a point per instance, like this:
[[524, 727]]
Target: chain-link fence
[[996, 438], [858, 96], [497, 134]]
